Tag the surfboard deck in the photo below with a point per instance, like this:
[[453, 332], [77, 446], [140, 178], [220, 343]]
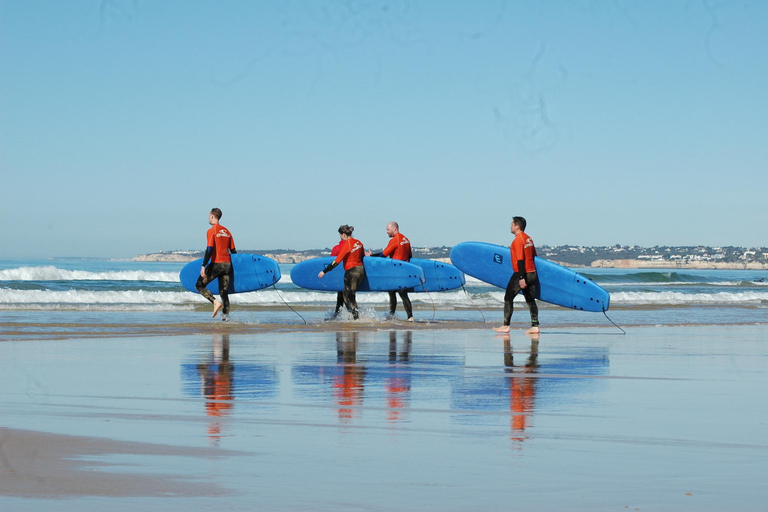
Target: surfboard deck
[[381, 274], [251, 272], [557, 285], [439, 276]]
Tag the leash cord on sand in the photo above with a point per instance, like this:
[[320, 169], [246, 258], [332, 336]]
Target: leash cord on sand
[[473, 303], [614, 323], [433, 302], [289, 306]]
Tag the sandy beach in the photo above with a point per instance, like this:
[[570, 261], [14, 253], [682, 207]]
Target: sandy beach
[[403, 417]]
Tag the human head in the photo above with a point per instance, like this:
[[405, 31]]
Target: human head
[[213, 216], [392, 228], [346, 230], [519, 222]]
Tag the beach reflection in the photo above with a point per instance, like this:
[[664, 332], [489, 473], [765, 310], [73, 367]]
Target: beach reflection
[[222, 379], [217, 378], [398, 382], [348, 386], [522, 386]]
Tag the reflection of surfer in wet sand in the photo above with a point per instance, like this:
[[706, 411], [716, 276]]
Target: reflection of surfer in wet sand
[[217, 377], [348, 387], [398, 385], [522, 388]]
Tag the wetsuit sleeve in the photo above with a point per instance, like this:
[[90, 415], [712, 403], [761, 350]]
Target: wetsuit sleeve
[[378, 255], [207, 257], [233, 251], [330, 267], [520, 274]]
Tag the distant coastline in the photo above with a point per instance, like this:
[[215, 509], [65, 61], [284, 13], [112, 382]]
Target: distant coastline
[[695, 258]]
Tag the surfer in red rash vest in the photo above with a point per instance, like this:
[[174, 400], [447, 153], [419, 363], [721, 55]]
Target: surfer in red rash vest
[[524, 278], [219, 247], [339, 296], [352, 253], [398, 248]]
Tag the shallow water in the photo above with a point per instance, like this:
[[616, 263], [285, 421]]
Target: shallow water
[[668, 418]]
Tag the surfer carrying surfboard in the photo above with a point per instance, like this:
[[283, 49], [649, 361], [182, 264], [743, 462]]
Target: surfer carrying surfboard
[[398, 248], [524, 277], [220, 245], [352, 253]]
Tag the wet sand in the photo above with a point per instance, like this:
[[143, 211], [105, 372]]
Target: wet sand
[[407, 418]]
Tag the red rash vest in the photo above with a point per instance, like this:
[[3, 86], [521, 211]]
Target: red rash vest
[[222, 242], [522, 249], [399, 248], [352, 252]]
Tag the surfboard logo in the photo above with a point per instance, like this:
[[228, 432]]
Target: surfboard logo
[[498, 258]]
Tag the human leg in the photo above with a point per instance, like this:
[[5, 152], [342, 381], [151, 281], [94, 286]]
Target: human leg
[[202, 282], [392, 303], [529, 293], [406, 304], [513, 288], [224, 280], [352, 279]]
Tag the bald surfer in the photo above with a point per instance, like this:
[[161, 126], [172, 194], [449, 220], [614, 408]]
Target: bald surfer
[[398, 248]]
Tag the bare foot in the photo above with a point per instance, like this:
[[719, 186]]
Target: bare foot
[[216, 307], [503, 329], [532, 330], [411, 319]]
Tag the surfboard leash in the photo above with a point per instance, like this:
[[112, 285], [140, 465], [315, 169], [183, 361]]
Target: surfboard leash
[[614, 323], [289, 306], [473, 302], [433, 302]]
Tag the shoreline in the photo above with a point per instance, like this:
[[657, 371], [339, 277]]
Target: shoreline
[[16, 332]]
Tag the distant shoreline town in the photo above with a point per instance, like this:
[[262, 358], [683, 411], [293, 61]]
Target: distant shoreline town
[[615, 256]]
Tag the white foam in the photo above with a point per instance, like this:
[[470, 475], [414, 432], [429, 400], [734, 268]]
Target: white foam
[[51, 273], [677, 298]]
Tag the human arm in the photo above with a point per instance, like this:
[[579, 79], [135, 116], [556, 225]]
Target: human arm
[[206, 259]]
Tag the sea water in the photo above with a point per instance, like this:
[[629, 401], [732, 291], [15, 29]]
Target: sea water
[[85, 290]]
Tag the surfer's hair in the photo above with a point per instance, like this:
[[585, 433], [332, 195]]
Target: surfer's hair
[[519, 222], [216, 213], [346, 230]]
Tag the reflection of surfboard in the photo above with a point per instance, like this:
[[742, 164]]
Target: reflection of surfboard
[[439, 276], [557, 284], [251, 272], [381, 274]]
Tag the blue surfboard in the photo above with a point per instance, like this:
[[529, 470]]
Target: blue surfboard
[[439, 276], [557, 284], [251, 272], [381, 274]]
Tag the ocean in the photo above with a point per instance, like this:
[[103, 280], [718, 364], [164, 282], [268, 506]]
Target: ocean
[[93, 290]]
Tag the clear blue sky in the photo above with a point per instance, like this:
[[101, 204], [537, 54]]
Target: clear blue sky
[[602, 122]]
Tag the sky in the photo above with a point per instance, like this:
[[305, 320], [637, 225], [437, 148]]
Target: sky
[[123, 122]]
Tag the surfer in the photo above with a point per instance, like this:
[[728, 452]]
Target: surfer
[[352, 253], [398, 248], [219, 246], [524, 277], [339, 296]]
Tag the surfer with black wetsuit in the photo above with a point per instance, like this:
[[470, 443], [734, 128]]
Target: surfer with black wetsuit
[[524, 277], [398, 248], [352, 253], [220, 245]]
